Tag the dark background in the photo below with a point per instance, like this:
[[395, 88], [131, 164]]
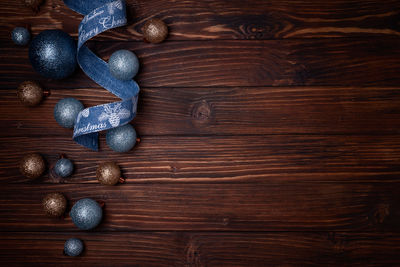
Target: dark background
[[270, 136]]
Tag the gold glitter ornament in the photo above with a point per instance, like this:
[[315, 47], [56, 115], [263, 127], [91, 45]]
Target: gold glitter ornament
[[32, 166], [155, 31], [109, 173], [54, 204], [31, 93]]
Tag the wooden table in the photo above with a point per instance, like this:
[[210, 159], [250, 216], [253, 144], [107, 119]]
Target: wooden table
[[270, 137]]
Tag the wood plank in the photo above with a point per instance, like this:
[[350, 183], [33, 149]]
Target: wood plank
[[226, 111], [335, 62], [224, 19], [216, 159], [219, 207], [205, 249]]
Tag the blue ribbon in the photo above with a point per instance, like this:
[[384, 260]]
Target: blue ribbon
[[100, 16]]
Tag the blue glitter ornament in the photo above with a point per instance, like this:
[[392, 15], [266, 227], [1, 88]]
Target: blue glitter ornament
[[20, 36], [86, 214], [123, 65], [64, 167], [122, 138], [66, 111], [73, 247], [53, 54]]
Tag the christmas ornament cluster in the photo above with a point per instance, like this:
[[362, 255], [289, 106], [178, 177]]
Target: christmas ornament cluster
[[53, 54]]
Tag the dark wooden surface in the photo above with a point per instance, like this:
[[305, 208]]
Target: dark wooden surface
[[270, 137], [244, 63], [205, 249]]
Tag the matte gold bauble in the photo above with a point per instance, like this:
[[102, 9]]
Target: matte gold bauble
[[32, 166], [155, 31], [109, 173], [54, 204], [30, 93]]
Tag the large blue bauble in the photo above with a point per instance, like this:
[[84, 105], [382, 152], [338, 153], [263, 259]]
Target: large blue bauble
[[66, 111], [123, 65], [20, 36], [73, 247], [122, 138], [53, 54], [86, 214], [64, 167]]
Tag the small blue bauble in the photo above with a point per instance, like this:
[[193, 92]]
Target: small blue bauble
[[73, 247], [53, 54], [122, 138], [66, 111], [86, 214], [123, 65], [64, 167], [20, 36]]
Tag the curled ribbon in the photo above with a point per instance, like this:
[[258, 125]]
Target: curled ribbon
[[100, 16]]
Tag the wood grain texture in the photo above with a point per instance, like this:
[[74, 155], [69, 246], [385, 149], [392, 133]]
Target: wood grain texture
[[225, 111], [335, 62], [219, 207], [225, 19], [204, 249], [269, 138], [216, 159]]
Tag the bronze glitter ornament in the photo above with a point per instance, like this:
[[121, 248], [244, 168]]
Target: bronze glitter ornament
[[109, 173], [54, 204], [31, 93], [32, 166], [33, 4], [155, 31]]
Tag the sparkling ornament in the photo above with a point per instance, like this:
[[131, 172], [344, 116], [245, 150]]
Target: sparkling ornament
[[54, 204], [32, 166], [73, 247], [53, 54], [122, 138], [34, 4], [64, 167], [20, 36], [86, 214], [155, 31], [109, 173], [123, 65], [31, 93], [66, 111]]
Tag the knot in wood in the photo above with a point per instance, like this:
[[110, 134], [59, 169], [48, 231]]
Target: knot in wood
[[381, 212], [192, 252], [202, 112], [225, 221], [339, 242], [174, 168]]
